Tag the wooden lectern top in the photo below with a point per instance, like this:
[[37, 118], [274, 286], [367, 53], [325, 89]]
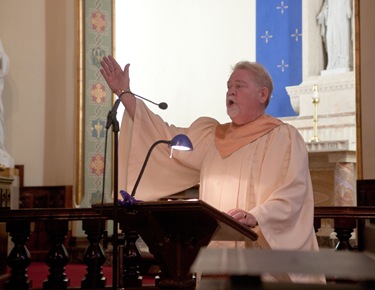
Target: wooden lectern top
[[186, 213], [194, 212]]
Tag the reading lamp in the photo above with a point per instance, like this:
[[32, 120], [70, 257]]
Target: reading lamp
[[180, 142]]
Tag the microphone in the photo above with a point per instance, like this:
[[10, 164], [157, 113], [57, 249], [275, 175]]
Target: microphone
[[112, 113], [162, 105]]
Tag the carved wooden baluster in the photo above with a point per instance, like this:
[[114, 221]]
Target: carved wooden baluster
[[57, 257], [94, 256], [344, 228], [19, 258], [131, 260]]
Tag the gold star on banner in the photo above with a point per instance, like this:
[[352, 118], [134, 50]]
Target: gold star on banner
[[266, 36], [296, 35], [282, 7], [283, 65]]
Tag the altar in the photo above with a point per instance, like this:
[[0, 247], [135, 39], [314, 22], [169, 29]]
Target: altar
[[332, 157], [325, 103]]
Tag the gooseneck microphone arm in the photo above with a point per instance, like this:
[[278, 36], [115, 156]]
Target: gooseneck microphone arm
[[145, 163], [161, 105]]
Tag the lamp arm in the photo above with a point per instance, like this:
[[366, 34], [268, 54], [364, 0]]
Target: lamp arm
[[145, 163]]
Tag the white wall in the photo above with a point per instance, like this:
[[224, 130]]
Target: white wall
[[24, 90], [39, 94], [181, 52]]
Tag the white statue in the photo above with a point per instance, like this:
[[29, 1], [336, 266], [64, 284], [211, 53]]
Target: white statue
[[5, 159], [336, 21]]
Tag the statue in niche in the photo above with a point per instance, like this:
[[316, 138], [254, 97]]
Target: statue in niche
[[336, 22], [5, 159]]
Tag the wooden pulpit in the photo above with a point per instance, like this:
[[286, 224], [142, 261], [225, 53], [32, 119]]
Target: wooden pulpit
[[175, 231]]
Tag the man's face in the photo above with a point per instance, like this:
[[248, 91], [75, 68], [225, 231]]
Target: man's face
[[245, 99]]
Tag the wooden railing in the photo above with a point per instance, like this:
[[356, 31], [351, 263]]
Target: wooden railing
[[345, 221], [18, 223]]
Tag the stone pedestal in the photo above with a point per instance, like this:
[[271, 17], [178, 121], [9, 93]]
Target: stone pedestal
[[9, 188], [333, 173], [5, 192]]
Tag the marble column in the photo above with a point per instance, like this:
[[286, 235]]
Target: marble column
[[344, 184]]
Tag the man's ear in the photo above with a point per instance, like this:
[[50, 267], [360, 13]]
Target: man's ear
[[263, 95]]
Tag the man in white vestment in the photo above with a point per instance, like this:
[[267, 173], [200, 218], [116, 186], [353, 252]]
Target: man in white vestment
[[254, 168]]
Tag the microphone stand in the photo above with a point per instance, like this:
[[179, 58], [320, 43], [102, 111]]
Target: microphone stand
[[112, 120]]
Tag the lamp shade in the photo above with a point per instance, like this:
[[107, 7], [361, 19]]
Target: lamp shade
[[181, 142]]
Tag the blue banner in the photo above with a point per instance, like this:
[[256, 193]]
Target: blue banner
[[279, 49]]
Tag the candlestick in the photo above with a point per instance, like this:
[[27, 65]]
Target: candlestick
[[315, 101]]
